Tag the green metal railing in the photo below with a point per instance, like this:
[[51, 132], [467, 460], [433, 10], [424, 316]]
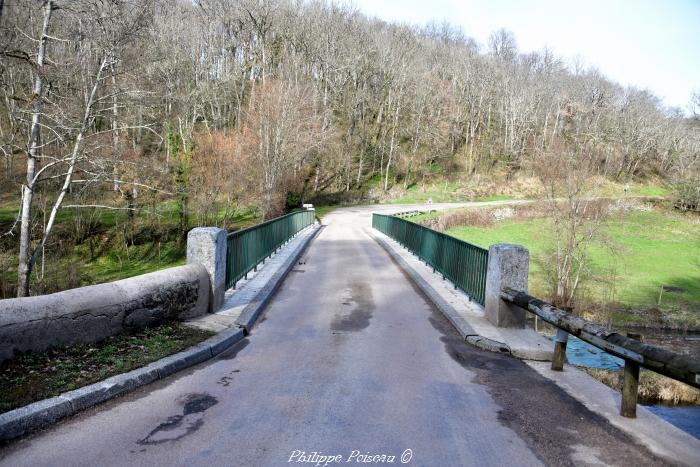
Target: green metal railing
[[249, 247], [462, 263]]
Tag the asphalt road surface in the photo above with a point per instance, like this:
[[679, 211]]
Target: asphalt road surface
[[349, 360]]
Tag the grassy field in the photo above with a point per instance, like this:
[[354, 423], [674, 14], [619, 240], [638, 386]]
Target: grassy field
[[521, 187], [321, 211], [441, 193], [650, 250], [113, 246]]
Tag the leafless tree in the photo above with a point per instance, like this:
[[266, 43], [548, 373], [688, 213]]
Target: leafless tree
[[115, 96], [566, 171]]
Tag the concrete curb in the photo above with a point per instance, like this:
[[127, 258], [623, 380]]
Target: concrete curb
[[21, 421], [460, 324], [488, 344], [252, 310]]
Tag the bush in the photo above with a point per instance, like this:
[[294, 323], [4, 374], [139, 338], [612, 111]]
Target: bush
[[687, 195], [293, 201]]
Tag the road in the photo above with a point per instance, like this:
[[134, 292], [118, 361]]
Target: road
[[348, 357]]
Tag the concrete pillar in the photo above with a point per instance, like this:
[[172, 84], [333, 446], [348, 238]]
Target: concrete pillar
[[207, 246], [507, 267]]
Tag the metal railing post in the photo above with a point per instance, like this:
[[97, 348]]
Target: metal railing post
[[249, 248], [460, 262]]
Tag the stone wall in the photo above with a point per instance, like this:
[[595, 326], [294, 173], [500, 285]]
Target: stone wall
[[90, 314]]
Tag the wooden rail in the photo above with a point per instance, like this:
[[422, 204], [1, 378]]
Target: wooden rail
[[636, 354]]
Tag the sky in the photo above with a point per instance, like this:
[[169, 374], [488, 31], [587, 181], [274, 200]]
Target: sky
[[649, 44]]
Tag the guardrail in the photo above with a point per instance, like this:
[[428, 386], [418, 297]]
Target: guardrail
[[462, 263], [636, 354], [249, 247]]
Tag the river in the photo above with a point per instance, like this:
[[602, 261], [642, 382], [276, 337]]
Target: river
[[685, 417]]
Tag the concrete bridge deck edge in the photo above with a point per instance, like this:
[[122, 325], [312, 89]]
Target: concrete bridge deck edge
[[661, 437]]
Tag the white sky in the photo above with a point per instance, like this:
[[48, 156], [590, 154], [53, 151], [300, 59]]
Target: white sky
[[653, 44]]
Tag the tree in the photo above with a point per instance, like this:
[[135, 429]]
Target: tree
[[93, 49], [26, 260], [323, 98], [282, 129], [566, 172]]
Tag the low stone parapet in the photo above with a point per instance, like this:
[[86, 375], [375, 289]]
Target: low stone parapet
[[90, 314]]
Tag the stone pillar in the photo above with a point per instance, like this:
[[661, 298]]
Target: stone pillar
[[507, 267], [207, 246]]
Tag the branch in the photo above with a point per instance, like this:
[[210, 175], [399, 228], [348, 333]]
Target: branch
[[101, 206], [111, 208], [77, 147], [17, 219], [45, 167], [122, 182]]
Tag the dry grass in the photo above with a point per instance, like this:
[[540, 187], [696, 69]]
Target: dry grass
[[653, 387], [484, 217], [487, 217], [475, 217]]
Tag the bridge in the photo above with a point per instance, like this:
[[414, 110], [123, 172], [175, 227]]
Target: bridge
[[353, 361]]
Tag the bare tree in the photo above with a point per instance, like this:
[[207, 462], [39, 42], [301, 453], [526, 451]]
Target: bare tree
[[282, 129], [26, 260], [105, 95], [68, 121], [566, 171]]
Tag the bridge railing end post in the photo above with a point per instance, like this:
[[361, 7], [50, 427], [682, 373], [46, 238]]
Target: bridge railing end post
[[508, 266], [207, 246]]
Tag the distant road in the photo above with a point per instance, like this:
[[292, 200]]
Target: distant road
[[349, 357]]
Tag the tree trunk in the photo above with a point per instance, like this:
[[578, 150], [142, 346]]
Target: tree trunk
[[115, 132], [77, 148], [24, 269]]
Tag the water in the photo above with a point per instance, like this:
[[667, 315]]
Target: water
[[581, 353], [687, 418]]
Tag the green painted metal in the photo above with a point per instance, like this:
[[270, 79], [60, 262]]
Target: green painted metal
[[249, 247], [462, 263]]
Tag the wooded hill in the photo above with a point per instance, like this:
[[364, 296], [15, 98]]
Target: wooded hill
[[209, 105]]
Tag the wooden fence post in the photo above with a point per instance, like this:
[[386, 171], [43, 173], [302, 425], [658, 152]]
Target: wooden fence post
[[630, 386], [559, 355]]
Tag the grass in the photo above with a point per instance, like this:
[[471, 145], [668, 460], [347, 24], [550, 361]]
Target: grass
[[38, 376], [443, 192], [610, 189], [131, 261], [498, 186], [651, 249], [106, 255], [653, 387], [492, 198], [8, 214], [321, 211], [115, 248], [437, 214]]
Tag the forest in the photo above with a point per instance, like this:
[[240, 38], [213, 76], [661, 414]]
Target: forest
[[124, 123]]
